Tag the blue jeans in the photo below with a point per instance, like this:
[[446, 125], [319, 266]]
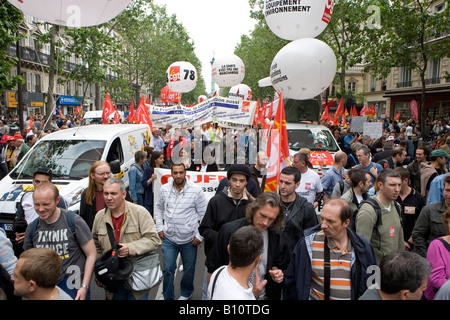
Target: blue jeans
[[170, 252]]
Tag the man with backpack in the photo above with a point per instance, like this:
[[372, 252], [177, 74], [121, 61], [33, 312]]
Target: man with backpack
[[360, 181], [66, 233], [379, 218]]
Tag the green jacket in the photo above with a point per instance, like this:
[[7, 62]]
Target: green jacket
[[390, 229], [350, 198], [429, 226]]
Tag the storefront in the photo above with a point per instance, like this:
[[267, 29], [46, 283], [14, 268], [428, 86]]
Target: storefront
[[437, 103], [67, 104]]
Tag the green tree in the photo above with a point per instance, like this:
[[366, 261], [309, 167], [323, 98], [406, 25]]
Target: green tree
[[345, 36], [257, 51], [411, 34], [10, 17]]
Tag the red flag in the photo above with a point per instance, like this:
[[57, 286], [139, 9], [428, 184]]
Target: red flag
[[30, 124], [116, 117], [141, 115], [371, 112], [363, 111], [262, 113], [354, 111], [256, 116], [277, 149], [131, 114], [326, 114], [344, 122], [397, 116], [108, 109], [340, 110]]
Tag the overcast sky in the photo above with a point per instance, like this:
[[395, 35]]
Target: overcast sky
[[215, 26]]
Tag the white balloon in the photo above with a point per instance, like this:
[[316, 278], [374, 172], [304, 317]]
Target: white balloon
[[241, 91], [228, 71], [72, 13], [181, 76], [297, 19], [303, 69]]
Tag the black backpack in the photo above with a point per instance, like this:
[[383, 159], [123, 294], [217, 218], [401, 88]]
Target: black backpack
[[377, 208]]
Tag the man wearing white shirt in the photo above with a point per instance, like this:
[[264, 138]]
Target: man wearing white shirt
[[231, 282], [310, 185]]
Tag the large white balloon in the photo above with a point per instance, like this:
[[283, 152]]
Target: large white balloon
[[72, 13], [297, 19], [228, 71], [181, 76], [303, 69], [241, 91]]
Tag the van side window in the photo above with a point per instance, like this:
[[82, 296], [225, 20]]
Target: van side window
[[115, 152]]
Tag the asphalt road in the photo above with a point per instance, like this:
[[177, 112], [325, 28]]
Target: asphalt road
[[98, 293]]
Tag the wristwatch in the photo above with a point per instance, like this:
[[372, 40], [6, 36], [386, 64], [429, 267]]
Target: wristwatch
[[85, 286]]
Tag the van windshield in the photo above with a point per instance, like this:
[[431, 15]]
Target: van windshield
[[87, 121], [68, 159], [315, 140]]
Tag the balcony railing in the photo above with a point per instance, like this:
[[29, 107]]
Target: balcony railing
[[404, 84], [433, 81]]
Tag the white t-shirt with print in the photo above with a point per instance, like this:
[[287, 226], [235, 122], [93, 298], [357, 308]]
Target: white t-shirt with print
[[309, 185]]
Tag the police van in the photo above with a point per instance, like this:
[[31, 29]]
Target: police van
[[69, 154]]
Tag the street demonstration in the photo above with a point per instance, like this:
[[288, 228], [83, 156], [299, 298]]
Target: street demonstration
[[307, 175]]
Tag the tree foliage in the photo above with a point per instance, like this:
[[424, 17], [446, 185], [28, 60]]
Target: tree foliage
[[10, 18]]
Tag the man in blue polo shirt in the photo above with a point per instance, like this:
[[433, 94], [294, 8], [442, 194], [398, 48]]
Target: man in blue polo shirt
[[335, 173], [363, 155], [159, 142]]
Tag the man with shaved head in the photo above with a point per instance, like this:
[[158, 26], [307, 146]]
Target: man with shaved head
[[335, 174]]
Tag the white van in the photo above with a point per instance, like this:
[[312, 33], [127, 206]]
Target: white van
[[69, 154], [318, 139], [95, 117]]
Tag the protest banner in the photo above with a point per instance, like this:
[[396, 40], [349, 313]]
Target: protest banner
[[208, 181], [228, 112]]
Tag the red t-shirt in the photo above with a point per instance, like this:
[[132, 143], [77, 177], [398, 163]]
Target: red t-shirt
[[117, 224]]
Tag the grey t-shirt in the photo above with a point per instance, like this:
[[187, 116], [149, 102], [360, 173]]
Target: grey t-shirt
[[58, 236], [371, 294]]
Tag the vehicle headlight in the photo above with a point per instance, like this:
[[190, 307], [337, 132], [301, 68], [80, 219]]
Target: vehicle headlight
[[74, 197]]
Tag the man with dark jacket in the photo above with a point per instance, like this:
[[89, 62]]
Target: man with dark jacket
[[227, 205], [266, 214], [354, 253], [429, 224], [299, 214]]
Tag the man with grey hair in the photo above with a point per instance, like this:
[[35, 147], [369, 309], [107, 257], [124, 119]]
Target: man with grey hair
[[403, 276], [134, 230]]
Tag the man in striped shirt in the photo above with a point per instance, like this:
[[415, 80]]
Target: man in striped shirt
[[349, 257]]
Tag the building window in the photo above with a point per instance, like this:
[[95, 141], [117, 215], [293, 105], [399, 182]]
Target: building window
[[351, 86], [405, 77], [439, 8], [37, 83], [434, 71], [373, 85]]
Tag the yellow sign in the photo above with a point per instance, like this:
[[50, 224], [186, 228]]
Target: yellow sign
[[12, 102], [36, 104]]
